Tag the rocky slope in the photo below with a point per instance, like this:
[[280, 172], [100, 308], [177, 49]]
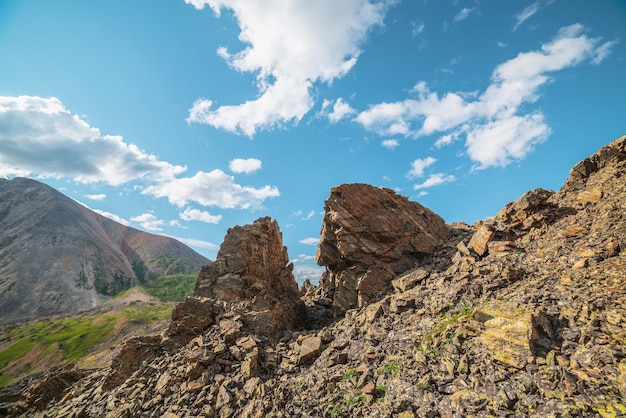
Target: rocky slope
[[523, 314], [56, 256]]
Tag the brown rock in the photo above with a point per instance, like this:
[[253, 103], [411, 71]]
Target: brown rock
[[51, 387], [134, 352], [252, 267], [369, 388], [369, 236], [591, 195], [581, 172], [499, 248], [533, 211], [310, 348], [574, 230], [409, 280], [480, 239], [190, 318]]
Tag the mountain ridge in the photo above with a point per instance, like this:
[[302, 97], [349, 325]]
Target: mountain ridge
[[57, 256]]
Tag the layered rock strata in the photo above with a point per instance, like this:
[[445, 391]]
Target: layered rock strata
[[369, 236]]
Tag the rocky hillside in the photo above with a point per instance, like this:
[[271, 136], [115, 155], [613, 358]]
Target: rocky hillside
[[523, 314], [56, 256]]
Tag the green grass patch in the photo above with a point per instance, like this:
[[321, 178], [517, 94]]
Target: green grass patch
[[17, 350], [174, 288], [148, 314], [391, 368], [73, 337]]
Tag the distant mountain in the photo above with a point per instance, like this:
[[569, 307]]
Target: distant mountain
[[57, 256]]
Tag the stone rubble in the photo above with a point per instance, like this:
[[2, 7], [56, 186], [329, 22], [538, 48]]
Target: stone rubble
[[520, 315]]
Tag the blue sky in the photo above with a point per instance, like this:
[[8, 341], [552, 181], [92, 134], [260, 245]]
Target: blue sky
[[187, 117]]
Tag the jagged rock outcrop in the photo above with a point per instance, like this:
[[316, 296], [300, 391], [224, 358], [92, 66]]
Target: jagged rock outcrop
[[57, 256], [506, 326], [252, 268], [369, 236]]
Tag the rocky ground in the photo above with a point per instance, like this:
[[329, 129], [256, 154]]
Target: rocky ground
[[523, 314]]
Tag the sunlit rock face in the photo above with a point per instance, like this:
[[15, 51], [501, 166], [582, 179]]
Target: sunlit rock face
[[369, 236], [252, 267]]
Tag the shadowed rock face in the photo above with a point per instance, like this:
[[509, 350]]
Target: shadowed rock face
[[369, 236], [252, 267]]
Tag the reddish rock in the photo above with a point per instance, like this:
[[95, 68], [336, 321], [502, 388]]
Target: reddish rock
[[369, 236], [134, 352], [252, 268], [48, 389], [190, 318]]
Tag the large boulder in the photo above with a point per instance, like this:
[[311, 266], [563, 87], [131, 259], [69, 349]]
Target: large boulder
[[369, 236], [252, 270]]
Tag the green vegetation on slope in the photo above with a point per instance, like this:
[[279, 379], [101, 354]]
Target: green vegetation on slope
[[174, 288], [68, 339]]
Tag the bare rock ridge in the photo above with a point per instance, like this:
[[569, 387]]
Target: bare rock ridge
[[369, 236], [520, 315], [57, 256]]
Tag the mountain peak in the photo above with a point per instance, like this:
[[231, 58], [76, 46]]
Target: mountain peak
[[57, 256]]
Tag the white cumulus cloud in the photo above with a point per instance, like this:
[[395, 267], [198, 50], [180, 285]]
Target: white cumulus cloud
[[419, 165], [214, 188], [340, 110], [290, 46], [40, 137], [247, 166], [390, 143], [199, 215], [501, 108]]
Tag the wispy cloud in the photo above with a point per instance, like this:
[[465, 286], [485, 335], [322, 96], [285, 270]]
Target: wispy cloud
[[289, 48], [604, 51], [310, 241], [417, 28], [192, 242], [463, 14], [308, 215], [434, 180], [306, 269], [100, 196], [502, 108], [525, 14]]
